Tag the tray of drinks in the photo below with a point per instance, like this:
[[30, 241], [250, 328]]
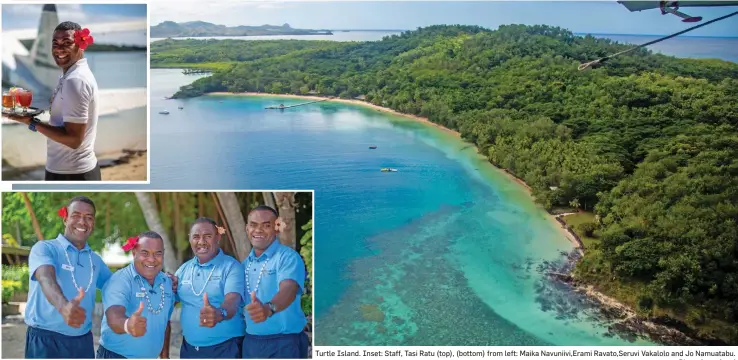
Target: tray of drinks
[[17, 101], [20, 111]]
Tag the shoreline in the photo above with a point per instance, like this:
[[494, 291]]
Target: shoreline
[[126, 165], [130, 168], [504, 172], [344, 101], [626, 318]]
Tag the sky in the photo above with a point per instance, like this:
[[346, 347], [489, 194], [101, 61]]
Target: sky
[[27, 16], [603, 17]]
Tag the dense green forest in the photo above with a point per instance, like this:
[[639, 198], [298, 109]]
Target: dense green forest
[[648, 142]]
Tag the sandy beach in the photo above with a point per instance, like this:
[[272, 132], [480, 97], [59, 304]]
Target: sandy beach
[[423, 120], [346, 101], [133, 170]]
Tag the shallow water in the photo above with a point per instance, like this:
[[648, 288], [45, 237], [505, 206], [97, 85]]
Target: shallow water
[[446, 251]]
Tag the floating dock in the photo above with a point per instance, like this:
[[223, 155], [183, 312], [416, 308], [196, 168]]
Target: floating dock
[[296, 105]]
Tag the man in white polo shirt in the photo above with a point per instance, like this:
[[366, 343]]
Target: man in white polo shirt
[[72, 127]]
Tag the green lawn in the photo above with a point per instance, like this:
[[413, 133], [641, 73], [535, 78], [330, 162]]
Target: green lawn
[[577, 219]]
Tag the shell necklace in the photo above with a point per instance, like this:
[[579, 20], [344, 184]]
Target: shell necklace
[[61, 83], [148, 299], [258, 280], [57, 89], [74, 280], [192, 279]]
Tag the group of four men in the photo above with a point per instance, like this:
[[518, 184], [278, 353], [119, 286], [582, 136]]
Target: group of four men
[[229, 309]]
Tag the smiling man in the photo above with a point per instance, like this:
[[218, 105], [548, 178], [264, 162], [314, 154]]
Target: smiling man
[[210, 293], [72, 128], [275, 280], [138, 302], [64, 274]]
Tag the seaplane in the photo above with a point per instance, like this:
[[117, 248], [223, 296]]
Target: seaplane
[[670, 8], [33, 68]]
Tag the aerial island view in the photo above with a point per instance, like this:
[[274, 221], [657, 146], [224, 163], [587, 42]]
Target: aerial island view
[[484, 173]]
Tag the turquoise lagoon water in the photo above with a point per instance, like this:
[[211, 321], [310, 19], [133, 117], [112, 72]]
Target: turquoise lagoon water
[[447, 251]]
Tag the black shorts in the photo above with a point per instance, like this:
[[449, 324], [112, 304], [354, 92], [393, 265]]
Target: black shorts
[[46, 344], [92, 175]]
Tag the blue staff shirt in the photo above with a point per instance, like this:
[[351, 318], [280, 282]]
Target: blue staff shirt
[[128, 288], [40, 312], [226, 277], [282, 263]]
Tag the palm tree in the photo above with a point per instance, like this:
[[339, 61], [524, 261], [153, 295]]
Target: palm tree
[[286, 207], [151, 214], [235, 223]]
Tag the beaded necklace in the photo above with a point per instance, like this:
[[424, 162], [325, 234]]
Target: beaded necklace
[[148, 299], [74, 280], [258, 280], [192, 279]]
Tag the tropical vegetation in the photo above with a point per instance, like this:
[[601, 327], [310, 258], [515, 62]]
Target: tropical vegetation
[[647, 142], [30, 217]]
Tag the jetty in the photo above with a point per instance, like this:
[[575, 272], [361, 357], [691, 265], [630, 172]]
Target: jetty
[[195, 71], [296, 105]]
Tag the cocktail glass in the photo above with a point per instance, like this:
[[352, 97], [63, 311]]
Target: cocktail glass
[[24, 98]]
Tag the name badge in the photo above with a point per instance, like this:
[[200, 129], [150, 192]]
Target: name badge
[[186, 282], [67, 267], [138, 295]]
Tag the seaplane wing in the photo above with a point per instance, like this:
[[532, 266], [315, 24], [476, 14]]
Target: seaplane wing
[[672, 7], [650, 5], [112, 101], [116, 100]]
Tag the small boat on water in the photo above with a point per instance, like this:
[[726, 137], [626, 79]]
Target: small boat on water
[[373, 147], [181, 107], [389, 170], [164, 112]]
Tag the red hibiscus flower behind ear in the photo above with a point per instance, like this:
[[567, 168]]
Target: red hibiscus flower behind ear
[[62, 212], [130, 243], [83, 39], [279, 225]]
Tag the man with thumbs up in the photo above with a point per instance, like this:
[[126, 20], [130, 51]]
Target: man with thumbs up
[[138, 302], [64, 274], [275, 280], [210, 290]]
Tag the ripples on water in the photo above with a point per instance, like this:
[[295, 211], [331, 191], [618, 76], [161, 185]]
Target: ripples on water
[[445, 251]]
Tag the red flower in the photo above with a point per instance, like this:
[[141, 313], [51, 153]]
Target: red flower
[[280, 225], [83, 39], [130, 243], [62, 212]]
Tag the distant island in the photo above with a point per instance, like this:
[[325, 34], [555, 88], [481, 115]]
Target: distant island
[[371, 30], [97, 47], [200, 28]]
